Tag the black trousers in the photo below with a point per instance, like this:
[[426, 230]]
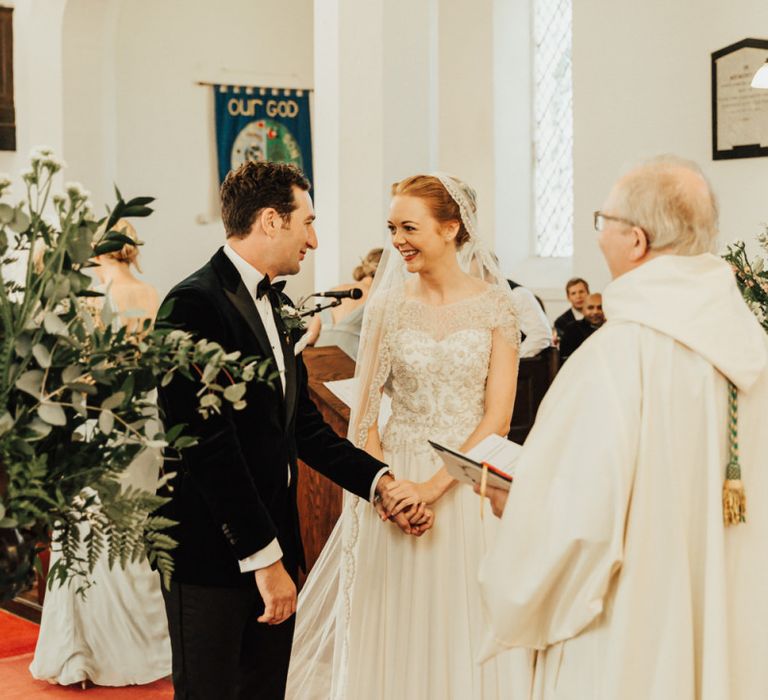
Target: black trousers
[[219, 650]]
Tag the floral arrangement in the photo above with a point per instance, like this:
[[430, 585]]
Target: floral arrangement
[[76, 393], [751, 276]]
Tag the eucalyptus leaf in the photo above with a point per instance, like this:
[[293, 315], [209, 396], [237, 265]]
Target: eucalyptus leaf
[[42, 355], [54, 325], [113, 401], [235, 392], [6, 423], [23, 345], [31, 382], [71, 373], [106, 422], [20, 222], [57, 288], [165, 309], [7, 213], [78, 400], [80, 245], [172, 433], [40, 427], [185, 441], [52, 413], [107, 315]]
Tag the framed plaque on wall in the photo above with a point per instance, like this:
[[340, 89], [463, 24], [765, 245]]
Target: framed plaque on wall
[[739, 111]]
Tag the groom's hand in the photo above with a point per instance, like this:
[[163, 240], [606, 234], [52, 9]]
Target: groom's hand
[[384, 504], [278, 591]]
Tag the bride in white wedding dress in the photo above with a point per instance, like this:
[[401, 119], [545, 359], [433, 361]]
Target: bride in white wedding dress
[[383, 615]]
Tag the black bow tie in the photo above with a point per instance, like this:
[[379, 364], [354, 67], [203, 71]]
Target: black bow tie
[[272, 290]]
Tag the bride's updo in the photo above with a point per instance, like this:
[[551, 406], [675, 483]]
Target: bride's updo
[[441, 205]]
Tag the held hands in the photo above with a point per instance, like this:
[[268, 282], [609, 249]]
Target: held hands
[[414, 518], [278, 591], [497, 497]]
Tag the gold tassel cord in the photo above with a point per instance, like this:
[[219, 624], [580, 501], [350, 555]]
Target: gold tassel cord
[[734, 496]]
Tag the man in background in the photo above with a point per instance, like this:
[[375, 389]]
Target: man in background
[[577, 290], [578, 331]]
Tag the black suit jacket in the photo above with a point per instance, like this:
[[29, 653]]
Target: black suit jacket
[[231, 496], [575, 334], [564, 320]]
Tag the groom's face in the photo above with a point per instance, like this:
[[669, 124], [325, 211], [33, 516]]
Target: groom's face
[[291, 242]]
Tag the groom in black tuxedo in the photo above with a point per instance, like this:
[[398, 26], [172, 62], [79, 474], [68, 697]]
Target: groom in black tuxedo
[[233, 594]]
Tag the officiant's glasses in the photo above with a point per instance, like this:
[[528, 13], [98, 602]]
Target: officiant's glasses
[[600, 219]]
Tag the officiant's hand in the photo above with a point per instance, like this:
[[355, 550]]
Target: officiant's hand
[[497, 497], [278, 591]]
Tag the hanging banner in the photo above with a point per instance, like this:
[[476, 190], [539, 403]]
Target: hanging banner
[[262, 124]]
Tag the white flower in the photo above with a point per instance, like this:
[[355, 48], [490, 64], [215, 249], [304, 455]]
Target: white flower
[[290, 311], [53, 164], [76, 191], [29, 176]]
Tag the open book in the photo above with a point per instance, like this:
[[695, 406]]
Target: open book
[[495, 452]]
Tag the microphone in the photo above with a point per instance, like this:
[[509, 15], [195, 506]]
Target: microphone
[[354, 293]]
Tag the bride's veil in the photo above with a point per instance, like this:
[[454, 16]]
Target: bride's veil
[[320, 648]]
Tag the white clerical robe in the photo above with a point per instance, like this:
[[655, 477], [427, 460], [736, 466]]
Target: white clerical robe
[[612, 559]]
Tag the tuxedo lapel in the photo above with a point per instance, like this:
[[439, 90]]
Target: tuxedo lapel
[[238, 295], [287, 347]]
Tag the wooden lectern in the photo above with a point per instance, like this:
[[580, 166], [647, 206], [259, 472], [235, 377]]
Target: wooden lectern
[[319, 498]]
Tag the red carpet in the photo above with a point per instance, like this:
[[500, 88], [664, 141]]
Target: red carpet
[[17, 684], [17, 636]]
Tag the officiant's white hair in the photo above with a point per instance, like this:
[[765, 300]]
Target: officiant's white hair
[[671, 199]]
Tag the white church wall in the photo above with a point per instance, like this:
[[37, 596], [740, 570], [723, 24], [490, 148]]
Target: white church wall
[[641, 88], [165, 134]]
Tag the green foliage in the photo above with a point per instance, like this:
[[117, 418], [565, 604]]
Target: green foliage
[[76, 394], [751, 276]]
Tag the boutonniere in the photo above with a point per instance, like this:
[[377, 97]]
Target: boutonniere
[[292, 318]]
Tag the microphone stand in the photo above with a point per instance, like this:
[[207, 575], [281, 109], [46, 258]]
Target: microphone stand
[[320, 307]]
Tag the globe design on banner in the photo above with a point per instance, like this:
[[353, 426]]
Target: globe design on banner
[[266, 140]]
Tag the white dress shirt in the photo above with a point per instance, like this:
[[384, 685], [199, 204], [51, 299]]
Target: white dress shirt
[[533, 322], [251, 277]]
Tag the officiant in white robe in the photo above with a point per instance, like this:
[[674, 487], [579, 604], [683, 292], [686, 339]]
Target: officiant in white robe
[[613, 559]]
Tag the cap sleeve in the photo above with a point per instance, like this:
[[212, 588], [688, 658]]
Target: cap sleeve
[[505, 318]]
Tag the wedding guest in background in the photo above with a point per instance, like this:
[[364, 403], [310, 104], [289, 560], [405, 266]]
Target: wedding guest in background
[[578, 331], [535, 329], [341, 324], [577, 290], [117, 634]]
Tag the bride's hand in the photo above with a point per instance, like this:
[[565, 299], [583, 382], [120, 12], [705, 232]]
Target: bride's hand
[[403, 494], [420, 519]]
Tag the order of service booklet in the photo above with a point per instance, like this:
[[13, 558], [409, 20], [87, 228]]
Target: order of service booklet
[[495, 452]]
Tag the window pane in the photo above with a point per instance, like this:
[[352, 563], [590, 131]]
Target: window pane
[[553, 128]]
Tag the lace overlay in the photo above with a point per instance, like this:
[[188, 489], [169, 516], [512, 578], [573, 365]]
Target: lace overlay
[[436, 366]]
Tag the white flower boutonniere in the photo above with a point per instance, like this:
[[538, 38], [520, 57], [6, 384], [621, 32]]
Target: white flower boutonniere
[[292, 318]]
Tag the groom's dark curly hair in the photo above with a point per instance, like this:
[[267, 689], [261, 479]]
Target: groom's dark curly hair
[[253, 187]]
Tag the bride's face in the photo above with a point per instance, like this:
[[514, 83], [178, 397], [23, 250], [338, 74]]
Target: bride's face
[[418, 237]]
